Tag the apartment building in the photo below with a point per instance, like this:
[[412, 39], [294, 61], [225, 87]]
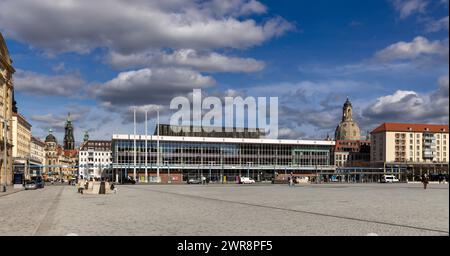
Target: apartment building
[[410, 143]]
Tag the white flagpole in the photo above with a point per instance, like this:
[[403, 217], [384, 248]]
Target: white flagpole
[[157, 146], [134, 137], [146, 133]]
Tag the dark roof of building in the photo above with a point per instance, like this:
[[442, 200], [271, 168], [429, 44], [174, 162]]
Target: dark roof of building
[[37, 141], [96, 145], [197, 131], [50, 138], [403, 127]]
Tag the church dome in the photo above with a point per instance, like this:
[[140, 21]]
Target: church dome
[[347, 128], [50, 137]]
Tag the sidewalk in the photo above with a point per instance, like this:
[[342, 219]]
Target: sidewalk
[[10, 190]]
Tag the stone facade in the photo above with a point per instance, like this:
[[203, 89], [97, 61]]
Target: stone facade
[[6, 110], [37, 151], [51, 156], [347, 128], [94, 158], [21, 133]]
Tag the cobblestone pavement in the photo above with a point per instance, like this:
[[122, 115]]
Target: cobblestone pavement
[[230, 210]]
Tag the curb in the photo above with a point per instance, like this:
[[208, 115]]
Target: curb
[[10, 193]]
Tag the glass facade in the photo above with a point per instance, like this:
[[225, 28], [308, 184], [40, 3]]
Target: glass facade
[[232, 158]]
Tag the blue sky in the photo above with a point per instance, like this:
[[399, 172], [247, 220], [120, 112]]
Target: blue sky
[[389, 57]]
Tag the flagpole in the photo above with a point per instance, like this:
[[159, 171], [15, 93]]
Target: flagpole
[[134, 137], [157, 146], [146, 133]]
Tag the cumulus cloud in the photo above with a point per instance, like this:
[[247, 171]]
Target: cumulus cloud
[[201, 61], [409, 7], [45, 85], [149, 86], [135, 25], [419, 47], [411, 106]]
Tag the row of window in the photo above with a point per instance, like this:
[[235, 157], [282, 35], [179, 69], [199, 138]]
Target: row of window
[[95, 153]]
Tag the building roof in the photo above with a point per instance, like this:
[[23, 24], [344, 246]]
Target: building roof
[[198, 131], [37, 141], [96, 145], [404, 127], [223, 140], [50, 138], [22, 120]]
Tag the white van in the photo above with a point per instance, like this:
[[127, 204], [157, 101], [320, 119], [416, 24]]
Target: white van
[[389, 179], [247, 180]]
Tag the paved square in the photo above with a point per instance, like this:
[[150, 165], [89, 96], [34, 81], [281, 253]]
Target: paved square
[[230, 210]]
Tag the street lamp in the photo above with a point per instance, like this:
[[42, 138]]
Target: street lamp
[[168, 172]]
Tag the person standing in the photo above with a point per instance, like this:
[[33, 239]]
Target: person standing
[[425, 180]]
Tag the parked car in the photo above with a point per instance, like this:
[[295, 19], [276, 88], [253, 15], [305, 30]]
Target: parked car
[[389, 179], [39, 181], [194, 181], [247, 180], [30, 185]]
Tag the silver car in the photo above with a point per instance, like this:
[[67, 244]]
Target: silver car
[[31, 185]]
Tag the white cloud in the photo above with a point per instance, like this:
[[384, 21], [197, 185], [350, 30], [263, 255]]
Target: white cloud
[[438, 25], [137, 25], [201, 61], [409, 7], [411, 106], [419, 47], [40, 84]]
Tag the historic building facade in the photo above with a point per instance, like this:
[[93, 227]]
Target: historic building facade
[[61, 161], [94, 158], [350, 149], [21, 133], [37, 151], [6, 110], [51, 156], [347, 129]]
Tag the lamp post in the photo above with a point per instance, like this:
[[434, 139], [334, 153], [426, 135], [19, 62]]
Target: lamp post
[[146, 150], [168, 172]]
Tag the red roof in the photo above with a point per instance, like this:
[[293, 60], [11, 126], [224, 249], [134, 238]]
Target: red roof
[[400, 127]]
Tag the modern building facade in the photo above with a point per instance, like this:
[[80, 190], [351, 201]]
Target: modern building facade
[[6, 110], [347, 129], [220, 159], [414, 143], [94, 158], [412, 148]]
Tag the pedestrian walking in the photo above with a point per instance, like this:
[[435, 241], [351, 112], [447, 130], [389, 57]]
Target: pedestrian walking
[[425, 180]]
